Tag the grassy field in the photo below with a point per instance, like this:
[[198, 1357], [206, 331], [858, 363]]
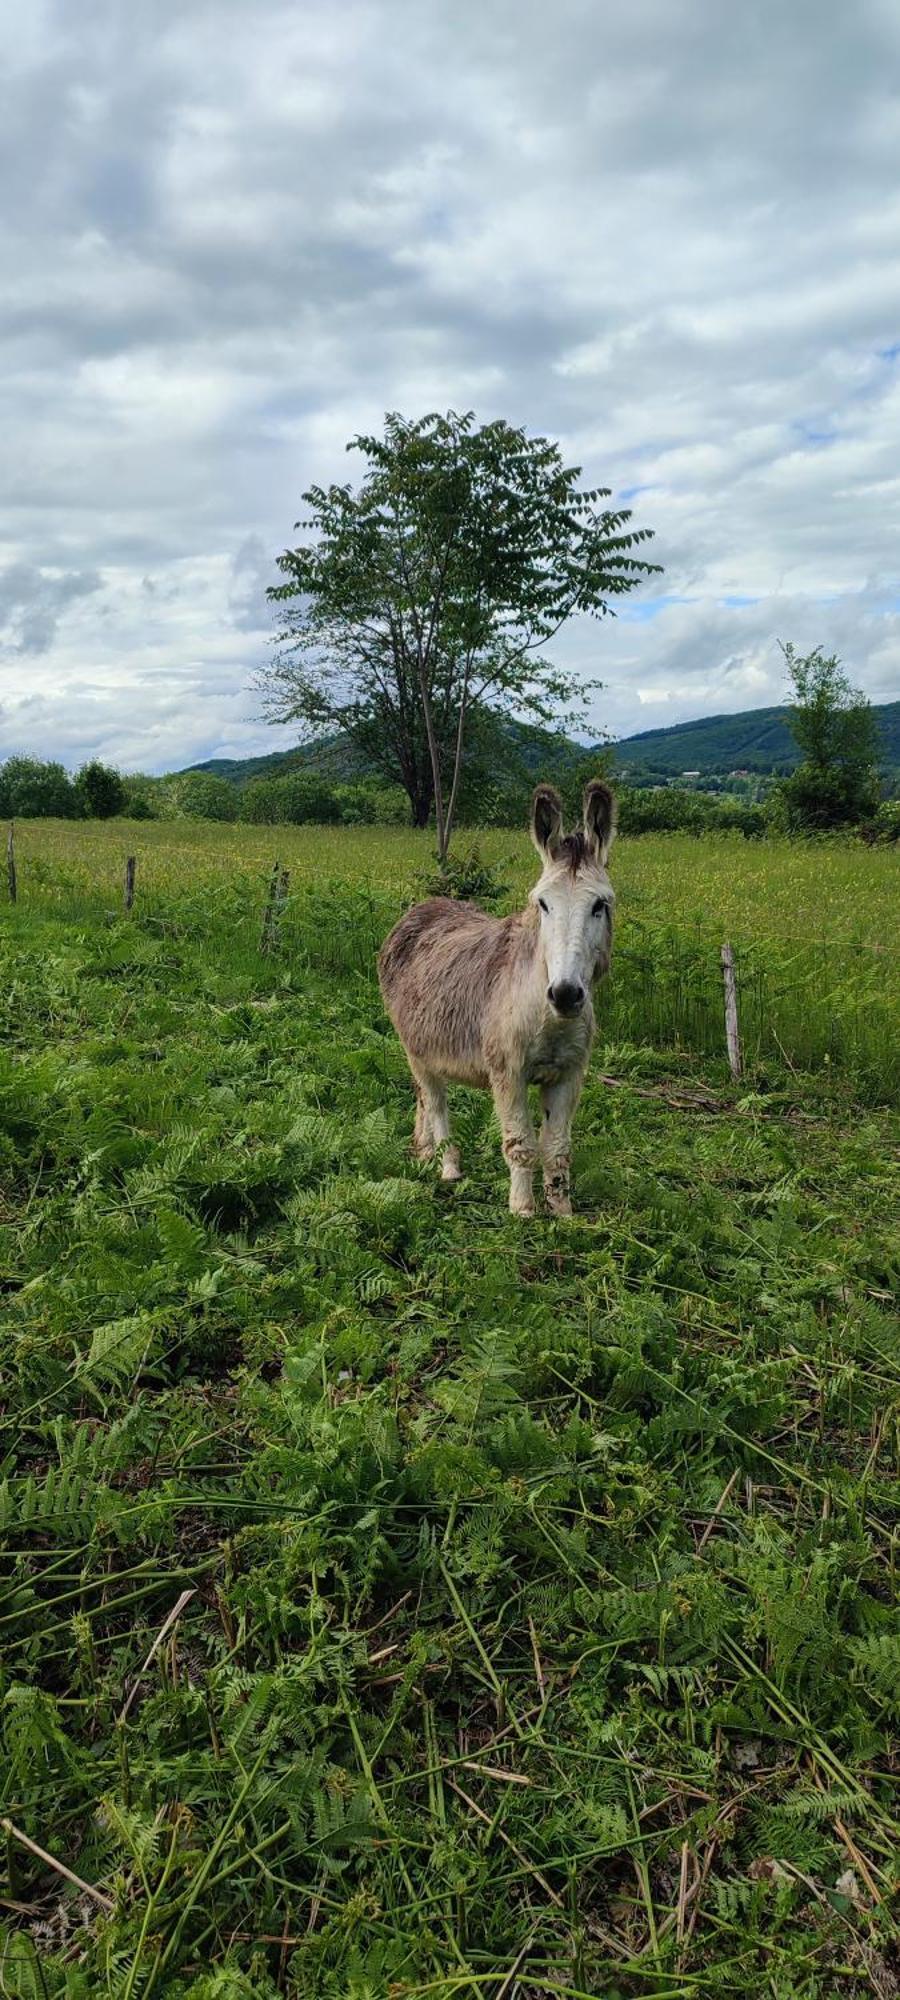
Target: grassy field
[[398, 1599]]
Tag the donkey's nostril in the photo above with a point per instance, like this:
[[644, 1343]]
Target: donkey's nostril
[[566, 996]]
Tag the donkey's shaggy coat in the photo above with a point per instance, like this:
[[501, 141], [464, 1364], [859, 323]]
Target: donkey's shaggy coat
[[504, 1002]]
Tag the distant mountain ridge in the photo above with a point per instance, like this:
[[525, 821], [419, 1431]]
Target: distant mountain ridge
[[756, 740]]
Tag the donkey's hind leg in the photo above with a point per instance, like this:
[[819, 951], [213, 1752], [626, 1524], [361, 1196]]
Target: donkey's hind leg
[[432, 1128]]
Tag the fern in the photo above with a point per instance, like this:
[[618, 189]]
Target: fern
[[119, 1349]]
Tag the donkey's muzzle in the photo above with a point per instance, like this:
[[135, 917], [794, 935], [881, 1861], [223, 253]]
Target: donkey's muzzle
[[566, 997]]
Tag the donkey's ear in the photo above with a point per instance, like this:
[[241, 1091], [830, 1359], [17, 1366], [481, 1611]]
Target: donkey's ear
[[599, 818], [546, 820]]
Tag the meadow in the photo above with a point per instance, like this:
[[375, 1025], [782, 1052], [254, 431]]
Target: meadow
[[396, 1598]]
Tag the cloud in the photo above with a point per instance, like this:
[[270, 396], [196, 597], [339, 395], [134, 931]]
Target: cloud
[[234, 237], [32, 602]]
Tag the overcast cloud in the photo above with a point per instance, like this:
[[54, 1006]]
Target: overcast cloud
[[235, 234]]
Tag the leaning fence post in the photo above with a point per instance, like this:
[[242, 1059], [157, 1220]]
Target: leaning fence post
[[11, 862], [732, 1030], [130, 866]]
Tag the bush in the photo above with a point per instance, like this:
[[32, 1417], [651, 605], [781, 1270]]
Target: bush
[[815, 798], [142, 797], [100, 790], [200, 795], [30, 789], [676, 810], [466, 878], [298, 799], [884, 826]]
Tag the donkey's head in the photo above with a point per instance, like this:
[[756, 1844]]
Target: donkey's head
[[574, 896]]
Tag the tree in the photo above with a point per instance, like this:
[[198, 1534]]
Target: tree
[[101, 791], [31, 789], [430, 592], [837, 735]]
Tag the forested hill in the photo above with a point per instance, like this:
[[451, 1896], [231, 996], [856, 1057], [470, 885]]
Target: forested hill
[[757, 740]]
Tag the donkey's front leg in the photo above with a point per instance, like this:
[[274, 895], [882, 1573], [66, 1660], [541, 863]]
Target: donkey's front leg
[[558, 1102], [519, 1148]]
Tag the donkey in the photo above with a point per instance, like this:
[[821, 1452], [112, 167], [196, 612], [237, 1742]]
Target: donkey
[[504, 1002]]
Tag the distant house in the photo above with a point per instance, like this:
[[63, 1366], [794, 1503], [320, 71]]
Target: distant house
[[690, 774]]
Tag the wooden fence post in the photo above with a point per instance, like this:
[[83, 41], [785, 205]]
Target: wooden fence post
[[265, 936], [11, 863], [732, 1029], [130, 867]]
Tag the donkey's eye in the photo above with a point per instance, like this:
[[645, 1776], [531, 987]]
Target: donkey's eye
[[599, 907], [542, 905]]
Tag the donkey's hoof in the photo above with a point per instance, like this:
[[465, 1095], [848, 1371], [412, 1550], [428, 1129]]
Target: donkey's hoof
[[521, 1207], [559, 1208], [450, 1168]]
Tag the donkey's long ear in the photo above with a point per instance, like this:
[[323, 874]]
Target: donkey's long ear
[[546, 820], [599, 818]]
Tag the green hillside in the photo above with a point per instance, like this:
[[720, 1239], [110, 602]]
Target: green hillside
[[757, 740]]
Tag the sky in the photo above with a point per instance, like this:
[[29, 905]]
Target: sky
[[233, 235]]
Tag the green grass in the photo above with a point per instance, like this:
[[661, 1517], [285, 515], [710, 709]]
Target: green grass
[[815, 928], [543, 1636]]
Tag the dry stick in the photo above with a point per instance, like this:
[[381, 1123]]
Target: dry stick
[[732, 1031], [11, 862], [130, 867], [682, 1892], [106, 1903], [860, 1861], [494, 1771], [538, 1668], [722, 1501], [529, 1866], [518, 1961], [165, 1628]]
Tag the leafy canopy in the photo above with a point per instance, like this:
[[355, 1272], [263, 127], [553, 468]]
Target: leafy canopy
[[33, 789], [836, 732], [431, 591], [101, 790]]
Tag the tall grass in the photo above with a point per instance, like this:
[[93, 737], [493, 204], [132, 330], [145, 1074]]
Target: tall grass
[[814, 928]]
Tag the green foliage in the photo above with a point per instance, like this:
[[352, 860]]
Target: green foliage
[[468, 877], [141, 799], [100, 790], [202, 797], [674, 809], [31, 789], [298, 799], [501, 1562], [836, 783], [425, 599]]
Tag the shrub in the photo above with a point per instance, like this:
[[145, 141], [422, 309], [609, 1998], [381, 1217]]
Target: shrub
[[142, 797], [884, 826], [299, 799], [201, 795], [466, 878], [676, 810], [815, 798], [100, 790], [31, 789]]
